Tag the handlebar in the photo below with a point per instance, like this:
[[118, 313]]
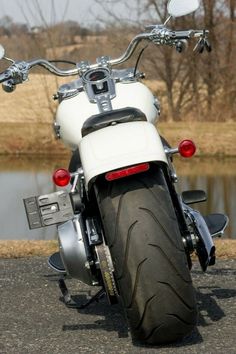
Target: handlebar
[[159, 35], [52, 68], [4, 76]]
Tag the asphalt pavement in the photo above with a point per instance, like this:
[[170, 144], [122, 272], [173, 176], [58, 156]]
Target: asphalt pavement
[[34, 320]]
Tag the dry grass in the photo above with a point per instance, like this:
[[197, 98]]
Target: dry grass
[[197, 166], [29, 138], [31, 102], [226, 249], [212, 139], [20, 249]]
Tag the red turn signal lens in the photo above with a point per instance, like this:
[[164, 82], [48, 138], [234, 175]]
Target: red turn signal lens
[[125, 172], [61, 177], [187, 148]]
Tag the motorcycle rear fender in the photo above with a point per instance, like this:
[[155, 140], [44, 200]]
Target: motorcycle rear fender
[[119, 146]]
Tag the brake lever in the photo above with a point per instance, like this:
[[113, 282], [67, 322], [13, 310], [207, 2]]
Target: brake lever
[[203, 44], [208, 46], [200, 46]]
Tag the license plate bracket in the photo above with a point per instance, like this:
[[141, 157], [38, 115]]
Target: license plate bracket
[[48, 209]]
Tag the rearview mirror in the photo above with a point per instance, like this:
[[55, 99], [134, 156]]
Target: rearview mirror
[[2, 52], [177, 8]]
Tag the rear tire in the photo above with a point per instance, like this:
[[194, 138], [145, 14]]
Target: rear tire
[[150, 264]]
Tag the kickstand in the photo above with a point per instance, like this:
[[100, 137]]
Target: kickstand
[[69, 302]]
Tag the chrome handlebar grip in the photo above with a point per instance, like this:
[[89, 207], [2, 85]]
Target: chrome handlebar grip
[[201, 33], [181, 35]]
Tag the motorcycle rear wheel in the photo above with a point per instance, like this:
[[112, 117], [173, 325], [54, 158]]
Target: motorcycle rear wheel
[[150, 264]]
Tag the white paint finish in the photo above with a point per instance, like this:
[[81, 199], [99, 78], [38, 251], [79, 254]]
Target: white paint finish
[[119, 146], [2, 52], [135, 95], [71, 115], [73, 112], [177, 8]]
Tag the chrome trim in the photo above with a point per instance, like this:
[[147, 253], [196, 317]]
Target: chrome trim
[[52, 68], [103, 61], [73, 250], [200, 229], [103, 99], [171, 151], [70, 89], [173, 173], [157, 105], [56, 128], [125, 75], [104, 103], [221, 233]]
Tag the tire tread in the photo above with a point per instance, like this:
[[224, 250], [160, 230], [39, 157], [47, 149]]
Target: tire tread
[[148, 256]]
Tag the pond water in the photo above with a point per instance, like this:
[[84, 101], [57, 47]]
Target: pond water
[[24, 177]]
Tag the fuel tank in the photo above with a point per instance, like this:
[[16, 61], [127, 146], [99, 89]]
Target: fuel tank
[[73, 112]]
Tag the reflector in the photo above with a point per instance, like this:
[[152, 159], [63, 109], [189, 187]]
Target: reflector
[[128, 171], [61, 177], [187, 148]]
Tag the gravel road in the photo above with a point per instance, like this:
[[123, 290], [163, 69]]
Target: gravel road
[[33, 319]]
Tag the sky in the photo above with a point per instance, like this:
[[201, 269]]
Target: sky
[[81, 11], [85, 12]]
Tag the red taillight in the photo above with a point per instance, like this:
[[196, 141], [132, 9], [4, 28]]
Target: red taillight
[[128, 171], [187, 148], [61, 177]]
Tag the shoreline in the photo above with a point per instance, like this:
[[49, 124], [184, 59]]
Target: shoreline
[[29, 138], [225, 248]]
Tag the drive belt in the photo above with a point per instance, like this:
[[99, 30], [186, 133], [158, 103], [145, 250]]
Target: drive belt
[[107, 272]]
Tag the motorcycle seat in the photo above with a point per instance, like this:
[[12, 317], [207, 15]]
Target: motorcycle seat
[[103, 120]]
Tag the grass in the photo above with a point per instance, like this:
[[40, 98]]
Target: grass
[[22, 249], [211, 138], [29, 138], [225, 248]]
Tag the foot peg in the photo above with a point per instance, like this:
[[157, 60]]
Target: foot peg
[[216, 223], [55, 262], [194, 196], [204, 229]]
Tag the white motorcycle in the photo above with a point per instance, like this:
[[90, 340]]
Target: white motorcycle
[[121, 224]]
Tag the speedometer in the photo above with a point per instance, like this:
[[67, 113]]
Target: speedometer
[[98, 84], [97, 75]]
